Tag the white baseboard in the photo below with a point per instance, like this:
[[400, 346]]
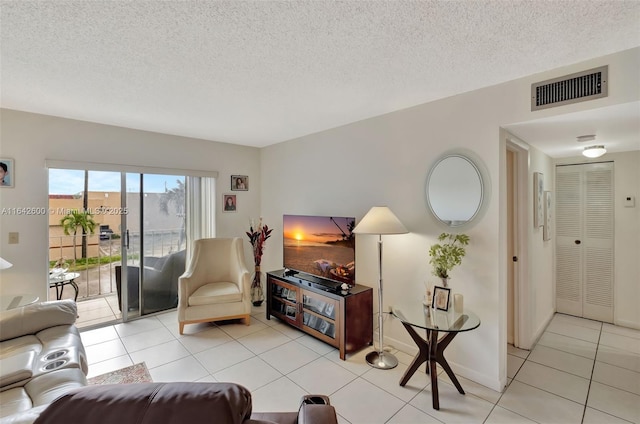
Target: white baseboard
[[459, 370], [627, 324]]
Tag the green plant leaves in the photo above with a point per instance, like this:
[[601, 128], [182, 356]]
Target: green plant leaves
[[445, 256]]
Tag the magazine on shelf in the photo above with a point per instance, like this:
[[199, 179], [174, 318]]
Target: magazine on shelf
[[291, 311], [329, 309], [291, 295]]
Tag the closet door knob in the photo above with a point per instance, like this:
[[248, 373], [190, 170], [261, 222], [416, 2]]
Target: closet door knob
[[577, 242]]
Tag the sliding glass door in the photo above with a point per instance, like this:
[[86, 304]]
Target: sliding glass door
[[154, 243], [129, 261]]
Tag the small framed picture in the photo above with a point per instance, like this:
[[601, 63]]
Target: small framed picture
[[546, 230], [441, 298], [7, 173], [239, 183], [538, 199], [229, 203]]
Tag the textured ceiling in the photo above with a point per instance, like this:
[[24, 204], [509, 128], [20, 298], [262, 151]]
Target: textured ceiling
[[261, 72]]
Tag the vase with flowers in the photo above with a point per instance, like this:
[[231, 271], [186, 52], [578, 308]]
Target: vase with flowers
[[258, 235]]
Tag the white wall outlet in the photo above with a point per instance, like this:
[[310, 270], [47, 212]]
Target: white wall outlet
[[629, 201]]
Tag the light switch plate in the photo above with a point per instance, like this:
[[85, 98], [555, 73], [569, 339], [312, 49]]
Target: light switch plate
[[629, 201], [14, 238]]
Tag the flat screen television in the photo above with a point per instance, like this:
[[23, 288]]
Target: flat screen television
[[324, 246]]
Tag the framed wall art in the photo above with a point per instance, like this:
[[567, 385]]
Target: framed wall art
[[7, 173], [546, 229], [239, 183], [229, 203], [538, 201]]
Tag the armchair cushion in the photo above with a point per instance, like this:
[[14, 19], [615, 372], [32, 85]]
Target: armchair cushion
[[213, 293]]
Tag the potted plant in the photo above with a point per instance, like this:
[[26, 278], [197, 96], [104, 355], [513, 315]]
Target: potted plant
[[258, 235], [447, 254]]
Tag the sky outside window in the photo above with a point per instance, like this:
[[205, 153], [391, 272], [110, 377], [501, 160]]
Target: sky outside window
[[71, 181]]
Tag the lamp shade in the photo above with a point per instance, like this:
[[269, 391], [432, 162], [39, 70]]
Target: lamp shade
[[380, 220], [5, 264]]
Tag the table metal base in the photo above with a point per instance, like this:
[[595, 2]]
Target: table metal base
[[382, 360], [431, 351]]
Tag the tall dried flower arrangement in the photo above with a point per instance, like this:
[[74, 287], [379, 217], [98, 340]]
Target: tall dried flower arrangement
[[258, 235]]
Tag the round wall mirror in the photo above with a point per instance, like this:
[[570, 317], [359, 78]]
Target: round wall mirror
[[454, 190]]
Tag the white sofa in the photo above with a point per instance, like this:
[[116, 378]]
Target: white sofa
[[41, 356]]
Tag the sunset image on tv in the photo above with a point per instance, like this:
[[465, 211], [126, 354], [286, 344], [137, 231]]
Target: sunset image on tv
[[320, 245]]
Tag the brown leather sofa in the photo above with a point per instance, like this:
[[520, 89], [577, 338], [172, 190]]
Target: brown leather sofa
[[176, 403]]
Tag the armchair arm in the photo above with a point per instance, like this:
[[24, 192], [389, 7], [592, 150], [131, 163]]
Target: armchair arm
[[33, 318]]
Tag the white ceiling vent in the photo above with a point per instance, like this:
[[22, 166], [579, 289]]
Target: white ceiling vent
[[574, 88]]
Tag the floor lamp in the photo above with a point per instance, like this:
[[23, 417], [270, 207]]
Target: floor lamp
[[380, 220]]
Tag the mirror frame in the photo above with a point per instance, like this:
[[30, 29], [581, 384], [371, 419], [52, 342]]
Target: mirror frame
[[481, 180]]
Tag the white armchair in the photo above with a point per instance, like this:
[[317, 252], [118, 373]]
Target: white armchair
[[216, 284]]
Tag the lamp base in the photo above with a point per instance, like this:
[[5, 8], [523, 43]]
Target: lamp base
[[382, 360]]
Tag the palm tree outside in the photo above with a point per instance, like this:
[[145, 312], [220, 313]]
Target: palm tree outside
[[75, 220], [176, 197]]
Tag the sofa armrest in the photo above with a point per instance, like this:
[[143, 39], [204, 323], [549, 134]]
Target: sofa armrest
[[33, 318]]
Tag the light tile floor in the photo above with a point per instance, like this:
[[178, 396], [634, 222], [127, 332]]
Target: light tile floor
[[98, 310], [581, 371]]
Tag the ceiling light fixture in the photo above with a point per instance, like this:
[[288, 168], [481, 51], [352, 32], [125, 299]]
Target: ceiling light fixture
[[594, 151]]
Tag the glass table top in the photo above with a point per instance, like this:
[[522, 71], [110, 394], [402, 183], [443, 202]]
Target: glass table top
[[420, 315]]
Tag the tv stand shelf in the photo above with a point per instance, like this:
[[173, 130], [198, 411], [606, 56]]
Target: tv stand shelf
[[343, 320]]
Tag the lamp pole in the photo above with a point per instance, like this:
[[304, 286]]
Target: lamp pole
[[380, 359]]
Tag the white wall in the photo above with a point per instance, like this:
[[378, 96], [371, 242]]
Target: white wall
[[626, 233], [30, 139], [385, 161], [541, 254]]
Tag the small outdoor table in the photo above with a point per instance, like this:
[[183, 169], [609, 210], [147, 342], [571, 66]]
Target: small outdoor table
[[62, 280], [431, 349]]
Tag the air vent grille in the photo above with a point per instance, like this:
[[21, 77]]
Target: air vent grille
[[574, 88]]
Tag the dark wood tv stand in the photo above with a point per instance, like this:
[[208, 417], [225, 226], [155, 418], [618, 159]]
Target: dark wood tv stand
[[341, 319]]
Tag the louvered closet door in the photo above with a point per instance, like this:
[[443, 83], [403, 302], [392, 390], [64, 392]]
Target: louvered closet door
[[584, 240]]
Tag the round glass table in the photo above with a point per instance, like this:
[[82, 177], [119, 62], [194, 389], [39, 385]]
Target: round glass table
[[431, 349]]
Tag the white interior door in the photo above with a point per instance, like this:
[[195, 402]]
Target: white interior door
[[584, 240]]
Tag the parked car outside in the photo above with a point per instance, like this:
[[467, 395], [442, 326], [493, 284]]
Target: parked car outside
[[105, 232]]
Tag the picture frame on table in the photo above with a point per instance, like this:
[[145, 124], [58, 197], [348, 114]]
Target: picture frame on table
[[441, 298], [239, 183], [7, 173], [538, 200]]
